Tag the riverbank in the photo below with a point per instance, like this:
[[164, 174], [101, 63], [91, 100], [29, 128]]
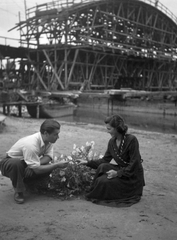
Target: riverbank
[[46, 218], [147, 104]]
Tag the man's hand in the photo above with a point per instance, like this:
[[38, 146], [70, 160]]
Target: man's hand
[[62, 163], [28, 172]]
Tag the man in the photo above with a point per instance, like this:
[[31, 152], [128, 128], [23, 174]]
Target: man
[[31, 157]]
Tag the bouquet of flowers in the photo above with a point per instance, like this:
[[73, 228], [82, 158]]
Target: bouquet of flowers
[[75, 178]]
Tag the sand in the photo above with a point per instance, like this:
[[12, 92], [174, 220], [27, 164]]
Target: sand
[[46, 218]]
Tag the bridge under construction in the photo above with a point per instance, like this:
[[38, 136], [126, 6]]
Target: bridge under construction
[[96, 45]]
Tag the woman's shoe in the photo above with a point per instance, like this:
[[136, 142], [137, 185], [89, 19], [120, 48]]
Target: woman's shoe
[[18, 197]]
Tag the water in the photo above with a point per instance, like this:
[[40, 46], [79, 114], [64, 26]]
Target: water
[[137, 120], [142, 121]]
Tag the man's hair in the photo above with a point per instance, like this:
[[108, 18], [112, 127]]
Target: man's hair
[[49, 125]]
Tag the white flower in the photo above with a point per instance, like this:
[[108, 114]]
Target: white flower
[[70, 158], [84, 150], [62, 173], [74, 153], [90, 155], [63, 179], [74, 146], [55, 159], [78, 150], [92, 144]]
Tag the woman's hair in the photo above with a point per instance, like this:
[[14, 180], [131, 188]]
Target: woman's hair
[[117, 122], [49, 125]]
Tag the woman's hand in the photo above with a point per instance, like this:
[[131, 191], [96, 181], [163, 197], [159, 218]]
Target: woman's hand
[[111, 174], [82, 161]]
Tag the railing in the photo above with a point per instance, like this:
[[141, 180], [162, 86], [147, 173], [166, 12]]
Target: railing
[[9, 41], [162, 8], [60, 4]]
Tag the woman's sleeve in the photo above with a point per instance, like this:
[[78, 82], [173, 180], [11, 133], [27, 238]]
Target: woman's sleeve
[[106, 159], [134, 155]]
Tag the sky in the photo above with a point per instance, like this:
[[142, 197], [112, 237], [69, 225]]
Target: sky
[[10, 9]]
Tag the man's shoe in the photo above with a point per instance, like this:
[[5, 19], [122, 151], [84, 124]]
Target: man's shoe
[[18, 197]]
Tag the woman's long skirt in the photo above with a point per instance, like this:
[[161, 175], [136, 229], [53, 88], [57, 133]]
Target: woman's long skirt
[[119, 190]]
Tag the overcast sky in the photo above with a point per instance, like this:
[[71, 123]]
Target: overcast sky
[[9, 14]]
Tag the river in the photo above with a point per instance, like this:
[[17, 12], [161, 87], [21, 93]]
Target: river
[[137, 120]]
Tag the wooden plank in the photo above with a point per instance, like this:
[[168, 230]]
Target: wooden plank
[[40, 78], [6, 106], [54, 70]]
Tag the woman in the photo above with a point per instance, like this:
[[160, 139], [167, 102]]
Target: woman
[[123, 182]]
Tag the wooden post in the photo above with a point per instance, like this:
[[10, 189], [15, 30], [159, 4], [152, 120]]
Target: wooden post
[[19, 110], [4, 109], [110, 102], [54, 69], [8, 110], [37, 110]]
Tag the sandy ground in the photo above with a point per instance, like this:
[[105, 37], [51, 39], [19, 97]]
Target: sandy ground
[[46, 218]]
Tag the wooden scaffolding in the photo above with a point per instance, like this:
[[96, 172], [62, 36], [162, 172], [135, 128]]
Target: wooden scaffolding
[[100, 44]]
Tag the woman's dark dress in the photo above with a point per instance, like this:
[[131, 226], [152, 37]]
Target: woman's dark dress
[[127, 187]]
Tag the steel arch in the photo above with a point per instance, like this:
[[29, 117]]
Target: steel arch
[[101, 44]]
